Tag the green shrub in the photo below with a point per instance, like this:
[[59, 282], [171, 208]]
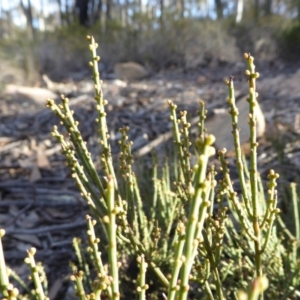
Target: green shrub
[[261, 39], [190, 237], [180, 43], [290, 42]]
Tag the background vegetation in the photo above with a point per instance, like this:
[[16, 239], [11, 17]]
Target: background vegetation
[[44, 37]]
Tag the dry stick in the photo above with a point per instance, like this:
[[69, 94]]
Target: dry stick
[[10, 146], [18, 215], [150, 146], [46, 229], [42, 203]]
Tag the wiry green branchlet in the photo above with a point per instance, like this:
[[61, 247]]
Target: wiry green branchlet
[[233, 111], [197, 214], [142, 286], [83, 169], [101, 283], [8, 291], [36, 274], [233, 197], [103, 130], [258, 286], [112, 238], [252, 75], [202, 116], [255, 217], [82, 262], [182, 144], [185, 143], [179, 241], [128, 180], [79, 288]]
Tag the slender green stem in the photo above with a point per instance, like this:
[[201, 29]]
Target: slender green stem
[[177, 261], [237, 145], [272, 198], [252, 75], [142, 278], [110, 219], [181, 150], [35, 274], [202, 117], [81, 150], [4, 281], [20, 282], [96, 256], [80, 292], [103, 129], [218, 284], [208, 291], [196, 216], [296, 210], [234, 199]]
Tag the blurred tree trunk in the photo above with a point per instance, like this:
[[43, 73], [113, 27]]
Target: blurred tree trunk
[[268, 7], [149, 13], [96, 11], [30, 69], [60, 12], [219, 9], [161, 7], [29, 20], [298, 9], [108, 10], [68, 13], [180, 8], [7, 23], [256, 10], [92, 13], [126, 8], [82, 7], [239, 11], [41, 17], [140, 4]]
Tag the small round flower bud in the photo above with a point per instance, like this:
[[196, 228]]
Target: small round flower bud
[[210, 139]]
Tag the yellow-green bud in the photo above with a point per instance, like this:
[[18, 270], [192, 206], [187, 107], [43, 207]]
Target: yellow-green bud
[[246, 55]]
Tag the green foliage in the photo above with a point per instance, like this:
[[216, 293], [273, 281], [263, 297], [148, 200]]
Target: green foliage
[[190, 237], [262, 39], [177, 42], [180, 43], [290, 42]]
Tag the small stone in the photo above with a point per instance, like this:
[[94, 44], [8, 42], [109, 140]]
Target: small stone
[[130, 71], [220, 125]]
